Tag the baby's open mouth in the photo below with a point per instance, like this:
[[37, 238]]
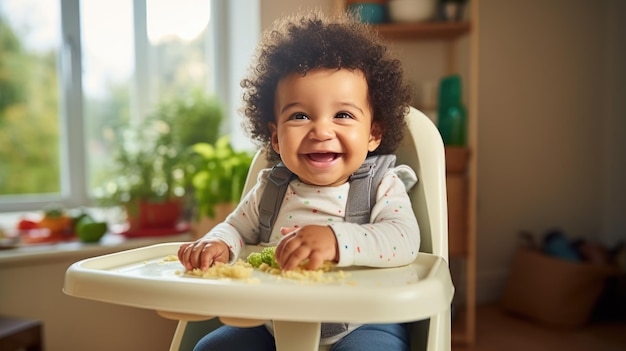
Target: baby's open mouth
[[323, 156]]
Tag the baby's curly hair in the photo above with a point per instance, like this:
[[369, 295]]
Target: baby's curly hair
[[301, 43]]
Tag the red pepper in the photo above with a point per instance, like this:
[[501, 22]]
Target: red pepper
[[26, 224]]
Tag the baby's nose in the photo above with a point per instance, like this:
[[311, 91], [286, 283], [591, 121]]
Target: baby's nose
[[322, 130]]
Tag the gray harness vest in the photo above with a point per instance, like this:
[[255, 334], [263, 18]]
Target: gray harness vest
[[361, 198]]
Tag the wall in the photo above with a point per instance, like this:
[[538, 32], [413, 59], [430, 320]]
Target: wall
[[544, 114], [615, 150], [550, 124], [272, 10], [34, 290]]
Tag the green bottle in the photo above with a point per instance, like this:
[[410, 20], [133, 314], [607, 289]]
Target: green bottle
[[452, 116]]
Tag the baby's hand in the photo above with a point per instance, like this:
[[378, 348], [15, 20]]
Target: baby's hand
[[203, 253], [317, 243]]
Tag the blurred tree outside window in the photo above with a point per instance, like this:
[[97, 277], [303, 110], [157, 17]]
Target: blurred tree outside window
[[29, 109], [74, 73]]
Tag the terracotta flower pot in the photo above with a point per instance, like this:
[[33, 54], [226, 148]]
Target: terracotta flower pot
[[148, 215]]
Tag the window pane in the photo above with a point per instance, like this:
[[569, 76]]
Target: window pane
[[107, 75], [134, 54], [130, 65], [178, 43], [29, 111]]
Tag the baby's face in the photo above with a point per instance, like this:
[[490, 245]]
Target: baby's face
[[323, 129]]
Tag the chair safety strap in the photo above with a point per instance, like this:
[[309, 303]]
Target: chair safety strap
[[361, 196], [272, 198], [364, 185]]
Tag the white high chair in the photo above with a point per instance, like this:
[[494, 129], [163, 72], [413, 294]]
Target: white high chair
[[421, 149], [151, 277]]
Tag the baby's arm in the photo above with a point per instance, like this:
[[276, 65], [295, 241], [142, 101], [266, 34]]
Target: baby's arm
[[225, 241], [392, 238]]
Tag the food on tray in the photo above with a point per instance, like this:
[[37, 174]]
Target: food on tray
[[267, 256], [239, 270], [264, 261], [301, 273], [169, 258]]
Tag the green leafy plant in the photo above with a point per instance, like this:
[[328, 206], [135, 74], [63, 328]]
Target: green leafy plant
[[220, 174], [193, 118], [145, 167], [152, 158]]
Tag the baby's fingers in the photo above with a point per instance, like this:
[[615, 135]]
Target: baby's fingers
[[183, 255], [198, 257], [316, 261], [288, 230], [285, 246], [292, 253], [201, 254]]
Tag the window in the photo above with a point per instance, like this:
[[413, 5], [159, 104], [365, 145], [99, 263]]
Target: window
[[72, 72], [29, 133]]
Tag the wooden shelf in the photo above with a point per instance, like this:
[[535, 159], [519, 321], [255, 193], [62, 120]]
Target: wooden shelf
[[423, 31]]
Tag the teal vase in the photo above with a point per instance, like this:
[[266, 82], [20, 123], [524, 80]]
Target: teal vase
[[452, 115]]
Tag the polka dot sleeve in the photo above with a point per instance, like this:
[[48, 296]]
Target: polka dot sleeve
[[241, 226], [392, 238]]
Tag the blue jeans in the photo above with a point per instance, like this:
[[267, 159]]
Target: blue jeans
[[374, 337]]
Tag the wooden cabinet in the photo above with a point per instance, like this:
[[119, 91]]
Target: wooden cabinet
[[461, 162], [461, 243], [456, 187]]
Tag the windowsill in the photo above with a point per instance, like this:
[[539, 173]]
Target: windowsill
[[75, 250], [35, 254]]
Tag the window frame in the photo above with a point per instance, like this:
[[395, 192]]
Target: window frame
[[234, 35]]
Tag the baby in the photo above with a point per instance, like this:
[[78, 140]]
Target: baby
[[323, 94]]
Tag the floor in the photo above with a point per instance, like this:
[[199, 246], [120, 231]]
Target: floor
[[497, 331]]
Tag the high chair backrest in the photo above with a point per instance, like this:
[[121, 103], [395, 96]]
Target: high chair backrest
[[422, 150]]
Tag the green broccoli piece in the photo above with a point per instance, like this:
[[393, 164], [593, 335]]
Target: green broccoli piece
[[265, 256], [255, 259], [268, 256]]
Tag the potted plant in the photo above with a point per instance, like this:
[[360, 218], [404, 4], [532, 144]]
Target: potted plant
[[217, 181], [145, 177], [148, 174]]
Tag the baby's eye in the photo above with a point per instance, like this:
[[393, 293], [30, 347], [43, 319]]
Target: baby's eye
[[343, 115], [299, 116]]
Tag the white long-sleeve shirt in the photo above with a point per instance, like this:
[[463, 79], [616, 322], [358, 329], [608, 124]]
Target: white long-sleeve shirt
[[391, 238]]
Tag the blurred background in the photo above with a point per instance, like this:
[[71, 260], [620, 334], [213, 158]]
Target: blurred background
[[542, 83]]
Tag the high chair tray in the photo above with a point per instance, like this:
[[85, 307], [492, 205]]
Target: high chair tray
[[143, 278]]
